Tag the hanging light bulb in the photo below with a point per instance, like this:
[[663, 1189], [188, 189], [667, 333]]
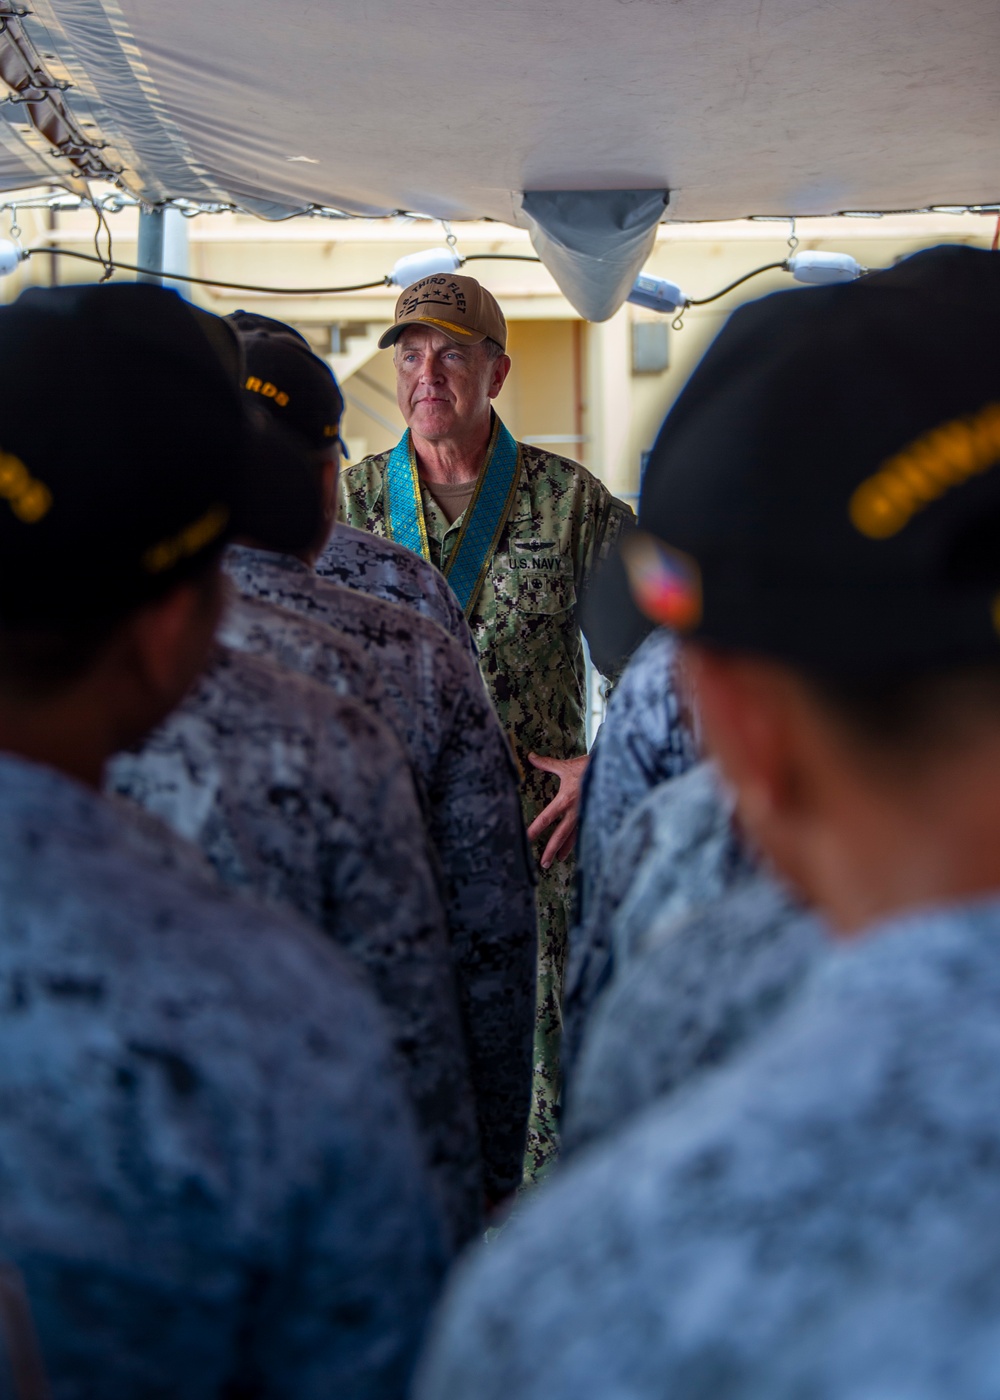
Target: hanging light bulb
[[417, 265], [820, 269], [656, 294]]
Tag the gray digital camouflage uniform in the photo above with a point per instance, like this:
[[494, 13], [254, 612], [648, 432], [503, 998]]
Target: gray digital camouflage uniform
[[676, 852], [436, 701], [645, 740], [694, 992], [357, 559], [211, 1182], [815, 1219], [562, 524], [296, 642], [303, 797]]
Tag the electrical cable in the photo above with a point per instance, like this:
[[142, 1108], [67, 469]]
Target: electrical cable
[[207, 281], [768, 267], [500, 257], [106, 262]]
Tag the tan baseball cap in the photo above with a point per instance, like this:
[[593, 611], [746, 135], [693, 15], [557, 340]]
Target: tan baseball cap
[[457, 306]]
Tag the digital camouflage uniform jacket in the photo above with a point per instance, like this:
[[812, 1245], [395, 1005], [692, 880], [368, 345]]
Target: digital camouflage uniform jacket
[[695, 991], [289, 639], [211, 1181], [644, 741], [304, 798], [817, 1218], [357, 559], [563, 522], [436, 701], [676, 852]]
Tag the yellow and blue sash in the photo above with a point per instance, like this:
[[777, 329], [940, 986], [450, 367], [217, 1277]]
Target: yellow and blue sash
[[485, 515]]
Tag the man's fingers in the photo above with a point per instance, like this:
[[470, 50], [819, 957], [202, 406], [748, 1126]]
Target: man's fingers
[[547, 765], [566, 849], [565, 831], [556, 808]]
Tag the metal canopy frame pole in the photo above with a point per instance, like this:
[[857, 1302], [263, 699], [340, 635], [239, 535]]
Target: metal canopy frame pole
[[150, 257]]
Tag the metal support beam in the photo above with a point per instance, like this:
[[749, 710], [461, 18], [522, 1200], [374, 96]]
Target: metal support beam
[[150, 257]]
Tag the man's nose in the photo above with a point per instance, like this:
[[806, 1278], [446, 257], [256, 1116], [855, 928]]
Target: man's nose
[[430, 369]]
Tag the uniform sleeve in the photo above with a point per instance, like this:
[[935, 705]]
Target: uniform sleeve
[[384, 906], [478, 830]]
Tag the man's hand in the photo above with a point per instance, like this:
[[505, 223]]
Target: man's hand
[[563, 809]]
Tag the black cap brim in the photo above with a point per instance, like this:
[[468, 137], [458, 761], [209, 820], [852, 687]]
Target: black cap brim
[[611, 620]]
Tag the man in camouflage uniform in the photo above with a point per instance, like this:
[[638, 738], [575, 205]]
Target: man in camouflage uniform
[[536, 539], [211, 1180], [434, 699], [304, 798]]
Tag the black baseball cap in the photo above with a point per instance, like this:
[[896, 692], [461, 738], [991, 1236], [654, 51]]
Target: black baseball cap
[[128, 454], [826, 489], [282, 373]]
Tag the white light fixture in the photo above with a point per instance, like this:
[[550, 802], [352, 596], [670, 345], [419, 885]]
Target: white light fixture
[[417, 265], [10, 256], [820, 269], [656, 294]]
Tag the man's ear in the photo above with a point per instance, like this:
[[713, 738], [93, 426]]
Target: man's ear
[[329, 474], [501, 369], [752, 725], [170, 639]]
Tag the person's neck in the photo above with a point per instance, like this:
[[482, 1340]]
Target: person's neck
[[455, 459], [931, 845], [57, 736]]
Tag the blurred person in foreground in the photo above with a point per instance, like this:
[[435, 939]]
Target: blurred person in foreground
[[297, 792], [518, 532], [211, 1182], [819, 1216], [435, 702]]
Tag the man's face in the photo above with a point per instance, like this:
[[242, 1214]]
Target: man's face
[[442, 388]]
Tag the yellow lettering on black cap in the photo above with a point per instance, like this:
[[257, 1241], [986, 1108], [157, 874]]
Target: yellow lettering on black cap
[[925, 471], [160, 557], [30, 500], [267, 390]]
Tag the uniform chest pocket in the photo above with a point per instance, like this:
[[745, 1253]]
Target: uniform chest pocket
[[539, 578], [539, 591]]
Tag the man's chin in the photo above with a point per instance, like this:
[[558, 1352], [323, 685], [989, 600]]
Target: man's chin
[[433, 425]]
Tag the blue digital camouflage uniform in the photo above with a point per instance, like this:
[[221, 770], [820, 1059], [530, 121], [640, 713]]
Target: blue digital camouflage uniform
[[211, 1181], [437, 703], [815, 1219], [357, 559], [676, 852], [289, 639], [644, 741], [562, 524], [303, 797], [693, 993]]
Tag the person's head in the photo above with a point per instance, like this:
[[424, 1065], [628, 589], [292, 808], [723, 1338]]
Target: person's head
[[299, 389], [128, 460], [449, 340], [821, 523]]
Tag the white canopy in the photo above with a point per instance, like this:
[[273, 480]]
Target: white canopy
[[455, 108]]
